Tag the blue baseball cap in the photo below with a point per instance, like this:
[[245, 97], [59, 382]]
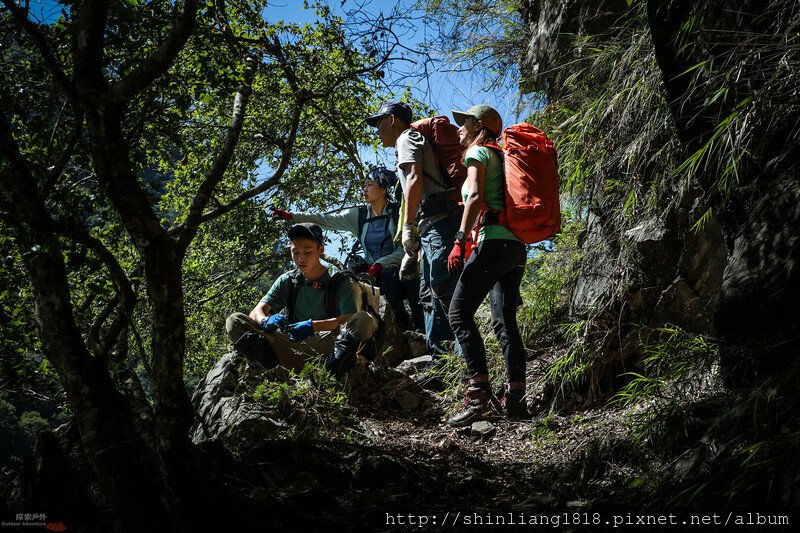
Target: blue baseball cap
[[398, 109]]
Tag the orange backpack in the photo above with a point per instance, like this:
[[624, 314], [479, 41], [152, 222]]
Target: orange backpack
[[443, 136], [530, 163]]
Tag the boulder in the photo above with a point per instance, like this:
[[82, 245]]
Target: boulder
[[225, 409], [595, 284], [412, 366], [398, 345]]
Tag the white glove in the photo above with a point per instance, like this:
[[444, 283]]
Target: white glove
[[409, 266], [410, 239]]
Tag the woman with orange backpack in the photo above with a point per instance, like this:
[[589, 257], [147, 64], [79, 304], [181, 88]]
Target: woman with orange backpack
[[494, 268]]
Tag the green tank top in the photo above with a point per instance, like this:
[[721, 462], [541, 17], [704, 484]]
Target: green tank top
[[494, 189]]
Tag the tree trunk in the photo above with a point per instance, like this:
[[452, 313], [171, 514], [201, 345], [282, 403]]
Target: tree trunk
[[123, 465], [163, 271]]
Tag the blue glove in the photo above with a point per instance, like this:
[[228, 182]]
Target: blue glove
[[273, 323], [300, 331]]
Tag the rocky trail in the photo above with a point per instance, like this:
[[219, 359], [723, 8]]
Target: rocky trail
[[392, 462]]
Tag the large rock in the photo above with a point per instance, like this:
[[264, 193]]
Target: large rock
[[758, 309], [398, 345], [594, 287], [554, 29], [654, 250], [412, 366], [370, 386], [226, 409], [678, 269]]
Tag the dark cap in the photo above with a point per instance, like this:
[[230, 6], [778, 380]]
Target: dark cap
[[305, 230], [398, 109]]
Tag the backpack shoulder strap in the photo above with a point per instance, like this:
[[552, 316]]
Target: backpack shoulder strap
[[332, 291], [294, 287], [425, 128], [394, 211], [363, 213], [495, 146]]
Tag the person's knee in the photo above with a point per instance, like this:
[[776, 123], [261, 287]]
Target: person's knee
[[443, 291], [236, 322], [362, 324]]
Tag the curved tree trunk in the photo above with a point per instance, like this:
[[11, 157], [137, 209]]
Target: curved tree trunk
[[163, 272]]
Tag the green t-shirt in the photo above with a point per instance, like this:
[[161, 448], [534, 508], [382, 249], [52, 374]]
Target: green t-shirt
[[310, 303], [494, 189]]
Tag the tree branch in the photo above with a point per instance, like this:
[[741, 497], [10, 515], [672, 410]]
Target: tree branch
[[276, 176], [53, 65], [348, 148], [94, 331], [88, 44], [223, 159], [157, 64], [125, 293], [66, 155], [77, 232]]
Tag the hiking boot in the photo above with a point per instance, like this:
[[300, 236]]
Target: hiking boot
[[514, 406], [343, 355], [369, 349], [476, 408]]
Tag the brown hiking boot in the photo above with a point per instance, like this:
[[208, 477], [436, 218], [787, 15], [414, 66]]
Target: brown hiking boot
[[476, 407]]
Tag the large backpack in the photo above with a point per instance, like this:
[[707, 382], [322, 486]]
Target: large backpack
[[443, 136], [532, 211]]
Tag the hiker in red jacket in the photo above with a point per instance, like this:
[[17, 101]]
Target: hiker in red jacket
[[495, 268]]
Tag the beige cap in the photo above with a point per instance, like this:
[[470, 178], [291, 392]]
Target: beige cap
[[486, 114]]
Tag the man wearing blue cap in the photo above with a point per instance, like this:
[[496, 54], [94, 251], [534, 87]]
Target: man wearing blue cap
[[427, 221]]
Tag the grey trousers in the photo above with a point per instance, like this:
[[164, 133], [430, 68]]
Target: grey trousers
[[294, 355]]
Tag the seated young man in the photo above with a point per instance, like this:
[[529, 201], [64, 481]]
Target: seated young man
[[307, 328]]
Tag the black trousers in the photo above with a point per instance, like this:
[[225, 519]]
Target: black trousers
[[495, 268], [397, 290]]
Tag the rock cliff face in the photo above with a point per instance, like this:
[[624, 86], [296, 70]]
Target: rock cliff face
[[756, 313], [758, 309], [734, 275]]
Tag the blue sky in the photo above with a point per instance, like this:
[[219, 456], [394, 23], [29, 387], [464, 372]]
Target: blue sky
[[446, 90]]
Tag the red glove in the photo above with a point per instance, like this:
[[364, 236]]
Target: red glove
[[375, 270], [280, 214], [455, 261]]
